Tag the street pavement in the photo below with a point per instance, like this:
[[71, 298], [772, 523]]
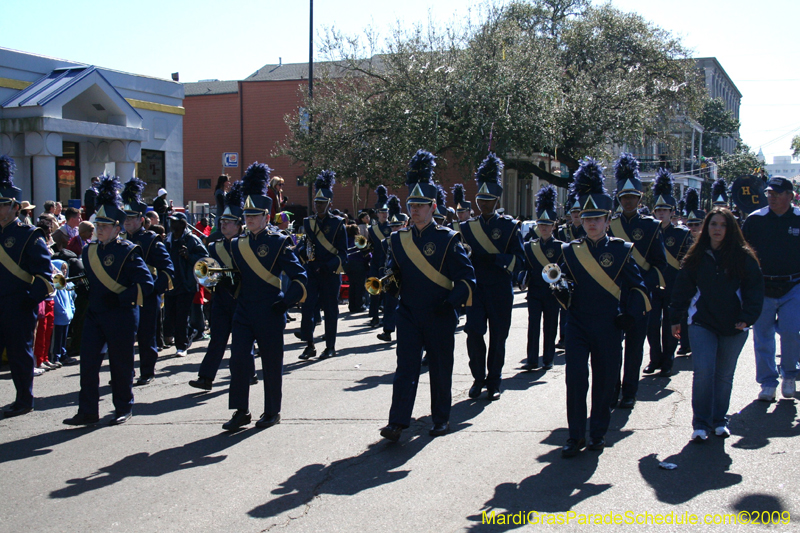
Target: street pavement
[[325, 467]]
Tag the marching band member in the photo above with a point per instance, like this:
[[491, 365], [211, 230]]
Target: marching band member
[[397, 220], [159, 263], [327, 237], [694, 221], [608, 294], [648, 251], [542, 303], [260, 256], [463, 207], [376, 234], [677, 240], [496, 253], [119, 281], [25, 280], [434, 277], [440, 215]]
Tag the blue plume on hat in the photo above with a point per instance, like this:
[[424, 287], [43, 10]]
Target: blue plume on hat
[[614, 200], [132, 193], [626, 167], [588, 179], [662, 185], [644, 211], [681, 206], [490, 170], [394, 206], [7, 169], [108, 191], [234, 197], [719, 188], [691, 200], [254, 181], [325, 180], [382, 194], [441, 196], [546, 200], [420, 168], [458, 194]]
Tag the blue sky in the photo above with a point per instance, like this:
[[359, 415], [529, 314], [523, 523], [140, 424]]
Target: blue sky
[[756, 42]]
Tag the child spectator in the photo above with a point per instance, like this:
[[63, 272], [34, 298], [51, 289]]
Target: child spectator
[[63, 311]]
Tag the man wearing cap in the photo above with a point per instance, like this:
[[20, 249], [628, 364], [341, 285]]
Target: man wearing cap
[[677, 240], [260, 316], [542, 303], [25, 280], [185, 249], [119, 281], [774, 233], [435, 277], [376, 234], [648, 251], [609, 293], [397, 221], [496, 253], [326, 248], [159, 263]]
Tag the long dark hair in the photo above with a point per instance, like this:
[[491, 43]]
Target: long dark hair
[[733, 251], [221, 181]]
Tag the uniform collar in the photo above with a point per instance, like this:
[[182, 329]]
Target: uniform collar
[[419, 233], [601, 242], [10, 224]]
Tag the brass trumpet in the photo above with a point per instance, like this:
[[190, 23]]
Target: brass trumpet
[[375, 286], [60, 282], [208, 272], [362, 243], [561, 286]]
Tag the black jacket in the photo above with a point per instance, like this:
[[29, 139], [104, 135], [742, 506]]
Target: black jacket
[[716, 301]]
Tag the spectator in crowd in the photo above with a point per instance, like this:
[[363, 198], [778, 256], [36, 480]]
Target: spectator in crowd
[[90, 198], [161, 206], [60, 218], [721, 290], [150, 219], [275, 191], [63, 312], [223, 186], [85, 231], [26, 213], [68, 230], [49, 208], [204, 226]]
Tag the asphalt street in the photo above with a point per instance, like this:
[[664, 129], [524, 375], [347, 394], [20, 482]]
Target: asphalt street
[[325, 467]]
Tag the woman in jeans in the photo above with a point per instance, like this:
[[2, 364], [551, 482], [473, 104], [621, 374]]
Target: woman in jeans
[[721, 289]]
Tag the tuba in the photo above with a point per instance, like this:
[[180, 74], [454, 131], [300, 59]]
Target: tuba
[[376, 286], [60, 282], [362, 244], [208, 272], [560, 285]]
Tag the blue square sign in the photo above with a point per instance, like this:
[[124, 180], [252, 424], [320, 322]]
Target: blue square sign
[[230, 159]]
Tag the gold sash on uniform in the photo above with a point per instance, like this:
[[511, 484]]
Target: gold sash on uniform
[[13, 267], [323, 240], [413, 253], [672, 261], [619, 232], [255, 265], [223, 254], [110, 284], [590, 264], [536, 248], [485, 242]]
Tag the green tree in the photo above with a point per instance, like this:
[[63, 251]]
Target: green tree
[[796, 146], [741, 162], [718, 124]]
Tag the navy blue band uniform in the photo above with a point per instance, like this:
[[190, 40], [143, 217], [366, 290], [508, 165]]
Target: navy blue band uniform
[[436, 277], [158, 261], [376, 234], [119, 281], [25, 280], [260, 258], [496, 253], [543, 308]]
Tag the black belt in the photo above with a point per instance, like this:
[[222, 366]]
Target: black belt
[[783, 279]]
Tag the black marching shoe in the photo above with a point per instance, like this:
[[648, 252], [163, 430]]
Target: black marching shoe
[[254, 380], [439, 429], [560, 345], [528, 367], [201, 383], [492, 394], [424, 361], [326, 353], [14, 410], [475, 390], [308, 353], [70, 361], [268, 421], [144, 380], [627, 403], [547, 366], [572, 447], [683, 351], [120, 419], [597, 445], [374, 323], [665, 372], [238, 421], [650, 369], [392, 432], [82, 419], [386, 336]]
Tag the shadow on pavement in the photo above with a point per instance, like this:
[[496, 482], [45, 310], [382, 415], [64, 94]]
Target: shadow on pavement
[[701, 468], [40, 444], [756, 426], [559, 486], [192, 455]]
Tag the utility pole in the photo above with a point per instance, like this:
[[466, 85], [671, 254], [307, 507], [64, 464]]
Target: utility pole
[[310, 86]]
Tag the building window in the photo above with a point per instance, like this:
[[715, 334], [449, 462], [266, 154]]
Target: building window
[[204, 184], [151, 171], [68, 174]]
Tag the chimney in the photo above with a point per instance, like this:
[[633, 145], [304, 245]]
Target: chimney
[[280, 61], [175, 76]]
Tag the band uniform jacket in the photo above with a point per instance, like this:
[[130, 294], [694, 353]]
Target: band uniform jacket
[[538, 254], [648, 246], [377, 233], [329, 239], [433, 267], [230, 285], [156, 257], [117, 269], [677, 240], [496, 248], [25, 268], [569, 232]]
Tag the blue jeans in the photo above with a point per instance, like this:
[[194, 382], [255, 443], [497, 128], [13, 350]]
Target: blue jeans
[[714, 358], [781, 315]]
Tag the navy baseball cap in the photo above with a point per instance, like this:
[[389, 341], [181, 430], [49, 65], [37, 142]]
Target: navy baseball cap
[[178, 216], [779, 184]]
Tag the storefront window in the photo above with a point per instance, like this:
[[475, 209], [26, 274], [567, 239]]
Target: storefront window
[[151, 171], [67, 174]]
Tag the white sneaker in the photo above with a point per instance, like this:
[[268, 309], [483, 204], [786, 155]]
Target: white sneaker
[[47, 365], [180, 353], [699, 435], [723, 432], [38, 371], [788, 388], [767, 393]]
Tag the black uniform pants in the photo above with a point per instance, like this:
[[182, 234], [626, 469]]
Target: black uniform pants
[[659, 335], [542, 317], [17, 322], [177, 308], [492, 304]]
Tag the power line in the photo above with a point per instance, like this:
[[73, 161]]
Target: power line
[[768, 81]]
